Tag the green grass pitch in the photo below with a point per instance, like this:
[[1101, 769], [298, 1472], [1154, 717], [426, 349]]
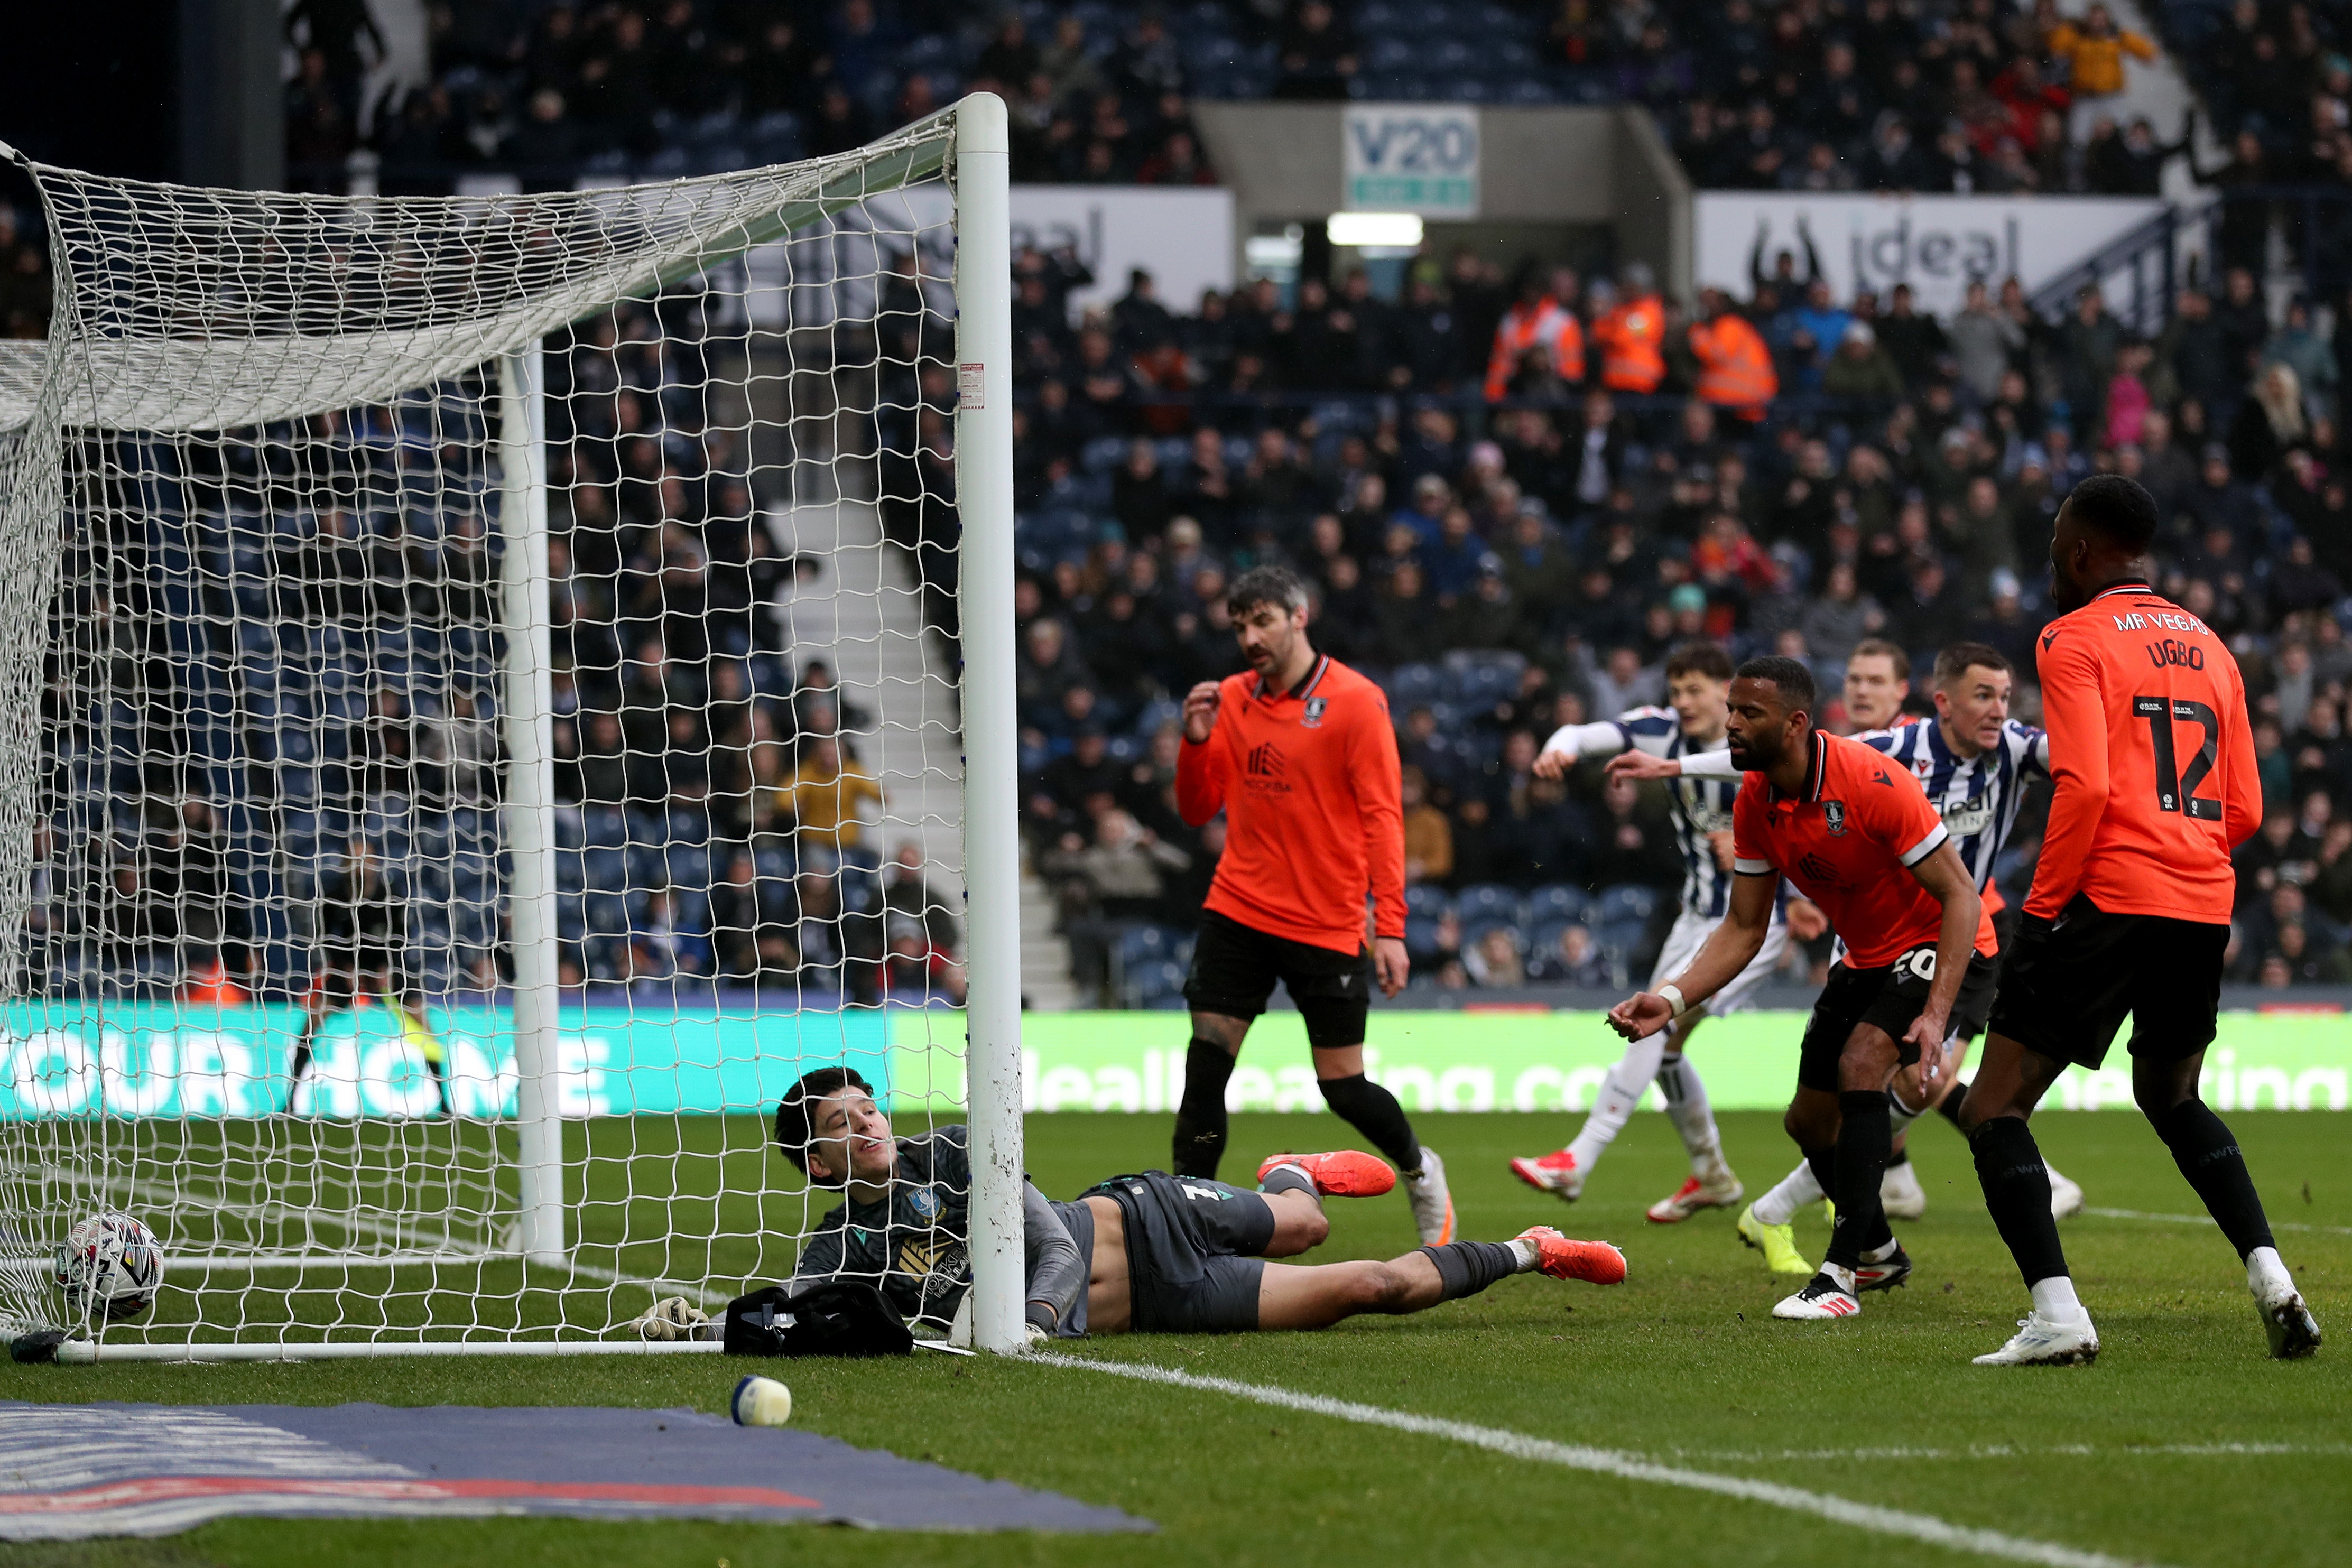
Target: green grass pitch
[[1684, 1363]]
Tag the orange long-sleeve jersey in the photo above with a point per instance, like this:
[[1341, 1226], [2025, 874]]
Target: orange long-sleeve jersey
[[1314, 818], [2151, 759]]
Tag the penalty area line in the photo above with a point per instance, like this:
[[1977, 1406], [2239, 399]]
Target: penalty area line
[[1627, 1467]]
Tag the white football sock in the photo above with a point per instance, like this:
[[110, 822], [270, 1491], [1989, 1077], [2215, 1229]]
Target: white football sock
[[2266, 1274], [1693, 1118], [1797, 1189], [1623, 1090], [1527, 1253], [1843, 1275], [2055, 1300]]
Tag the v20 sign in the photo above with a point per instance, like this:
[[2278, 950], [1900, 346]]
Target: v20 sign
[[1411, 158]]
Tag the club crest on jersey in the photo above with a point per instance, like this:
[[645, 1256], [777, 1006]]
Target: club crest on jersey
[[1313, 717], [1833, 818], [925, 1202]]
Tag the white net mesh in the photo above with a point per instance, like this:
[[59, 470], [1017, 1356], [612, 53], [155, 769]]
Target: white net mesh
[[258, 809]]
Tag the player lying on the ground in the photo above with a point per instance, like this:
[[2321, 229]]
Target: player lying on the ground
[[1975, 763], [1856, 835], [1698, 676], [1145, 1253], [2156, 782]]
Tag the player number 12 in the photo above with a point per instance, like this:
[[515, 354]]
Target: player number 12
[[2173, 793]]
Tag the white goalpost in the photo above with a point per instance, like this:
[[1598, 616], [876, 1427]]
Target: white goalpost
[[497, 688]]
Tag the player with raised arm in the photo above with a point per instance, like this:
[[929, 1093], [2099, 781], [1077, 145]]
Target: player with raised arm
[[1298, 753], [2152, 758], [1143, 1253], [1698, 676], [1975, 763], [1857, 836]]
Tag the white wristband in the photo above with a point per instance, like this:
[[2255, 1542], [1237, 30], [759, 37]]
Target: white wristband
[[1673, 995]]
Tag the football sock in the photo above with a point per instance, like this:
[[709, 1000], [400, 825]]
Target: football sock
[[2017, 1194], [1374, 1112], [2055, 1299], [1824, 1164], [1901, 1156], [1466, 1267], [1900, 1115], [2208, 1155], [1687, 1107], [1795, 1190], [2266, 1274], [1863, 1146], [1949, 1107], [1620, 1092], [1286, 1178], [1200, 1118]]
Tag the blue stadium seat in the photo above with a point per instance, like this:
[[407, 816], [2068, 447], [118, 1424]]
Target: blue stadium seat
[[1487, 903], [1416, 686], [605, 870], [604, 827], [1426, 898], [1149, 983], [1556, 901], [1626, 902], [1141, 945], [1421, 938]]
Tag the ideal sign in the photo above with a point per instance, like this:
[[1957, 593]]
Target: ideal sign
[[1411, 158], [1938, 245]]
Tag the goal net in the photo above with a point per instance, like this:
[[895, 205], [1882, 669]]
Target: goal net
[[492, 690]]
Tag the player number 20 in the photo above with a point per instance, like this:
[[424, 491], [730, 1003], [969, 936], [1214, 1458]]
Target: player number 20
[[2174, 791]]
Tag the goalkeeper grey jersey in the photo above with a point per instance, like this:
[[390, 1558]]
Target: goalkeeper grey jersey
[[912, 1244]]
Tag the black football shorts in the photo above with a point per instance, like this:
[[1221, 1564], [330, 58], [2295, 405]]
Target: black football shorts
[[2068, 984], [1192, 1246], [1889, 997], [1235, 967]]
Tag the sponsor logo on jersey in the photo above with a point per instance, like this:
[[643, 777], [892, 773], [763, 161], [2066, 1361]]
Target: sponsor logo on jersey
[[1821, 871], [1265, 760], [1833, 817], [1313, 717], [1968, 818]]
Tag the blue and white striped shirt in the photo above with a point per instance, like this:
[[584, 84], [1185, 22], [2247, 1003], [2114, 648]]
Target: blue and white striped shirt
[[1978, 797], [1702, 805]]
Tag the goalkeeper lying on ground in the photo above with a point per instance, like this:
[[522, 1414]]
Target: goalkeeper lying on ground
[[1146, 1254]]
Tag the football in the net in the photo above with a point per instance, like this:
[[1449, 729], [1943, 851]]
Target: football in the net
[[110, 1265]]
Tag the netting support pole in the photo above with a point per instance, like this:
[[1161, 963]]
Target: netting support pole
[[530, 798], [992, 852]]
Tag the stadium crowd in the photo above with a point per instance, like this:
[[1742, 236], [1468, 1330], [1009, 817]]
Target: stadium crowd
[[1545, 501], [1827, 94]]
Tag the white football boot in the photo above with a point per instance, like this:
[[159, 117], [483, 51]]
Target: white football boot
[[2040, 1342], [1433, 1205], [1828, 1294], [1900, 1192], [2065, 1194]]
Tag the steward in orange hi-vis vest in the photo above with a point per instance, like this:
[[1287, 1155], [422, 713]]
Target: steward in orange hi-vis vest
[[1538, 320], [1734, 366], [1632, 335]]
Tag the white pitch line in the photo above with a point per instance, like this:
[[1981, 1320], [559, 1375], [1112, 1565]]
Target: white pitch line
[[2009, 1451], [1629, 1466], [2208, 1219]]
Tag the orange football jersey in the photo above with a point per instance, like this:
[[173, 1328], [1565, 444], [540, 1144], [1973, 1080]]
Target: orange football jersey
[[1848, 840], [2151, 761]]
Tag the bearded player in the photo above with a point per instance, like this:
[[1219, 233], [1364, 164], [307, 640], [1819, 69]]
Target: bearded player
[[1856, 835], [1975, 763], [1299, 755], [2155, 782], [1144, 1253], [1698, 676]]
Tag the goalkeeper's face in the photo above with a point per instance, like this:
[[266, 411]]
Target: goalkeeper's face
[[850, 1144]]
